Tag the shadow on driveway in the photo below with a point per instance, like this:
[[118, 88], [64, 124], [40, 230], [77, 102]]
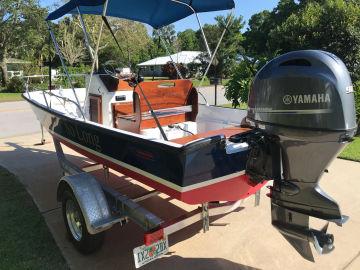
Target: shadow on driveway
[[38, 169]]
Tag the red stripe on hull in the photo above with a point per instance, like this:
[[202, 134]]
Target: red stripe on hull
[[233, 189]]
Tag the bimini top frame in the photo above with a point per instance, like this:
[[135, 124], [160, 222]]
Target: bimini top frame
[[156, 13]]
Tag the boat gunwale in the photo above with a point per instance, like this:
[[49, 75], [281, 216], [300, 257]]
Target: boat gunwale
[[192, 145]]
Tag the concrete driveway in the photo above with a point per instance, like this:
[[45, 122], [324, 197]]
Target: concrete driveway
[[240, 240], [16, 118]]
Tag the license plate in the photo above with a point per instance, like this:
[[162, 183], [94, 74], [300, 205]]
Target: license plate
[[146, 254]]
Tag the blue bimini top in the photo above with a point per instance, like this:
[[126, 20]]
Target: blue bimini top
[[156, 13]]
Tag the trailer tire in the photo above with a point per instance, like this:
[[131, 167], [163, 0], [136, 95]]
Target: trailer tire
[[83, 241]]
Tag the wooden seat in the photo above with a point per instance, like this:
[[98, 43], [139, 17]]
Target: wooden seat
[[227, 132], [172, 101]]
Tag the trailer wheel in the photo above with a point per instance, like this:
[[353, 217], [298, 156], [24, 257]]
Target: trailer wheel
[[75, 224]]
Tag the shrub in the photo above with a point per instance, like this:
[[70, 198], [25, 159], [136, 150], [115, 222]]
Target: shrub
[[39, 86], [194, 70], [77, 81], [15, 85], [238, 86], [169, 70], [357, 99]]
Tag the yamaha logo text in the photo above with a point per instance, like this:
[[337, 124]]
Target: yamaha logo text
[[306, 99]]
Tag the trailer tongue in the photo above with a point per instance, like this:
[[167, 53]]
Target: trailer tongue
[[302, 104]]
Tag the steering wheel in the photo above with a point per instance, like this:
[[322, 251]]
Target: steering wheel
[[110, 70]]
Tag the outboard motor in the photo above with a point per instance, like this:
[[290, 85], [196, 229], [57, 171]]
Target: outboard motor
[[302, 107]]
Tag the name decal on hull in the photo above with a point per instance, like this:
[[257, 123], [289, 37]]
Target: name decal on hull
[[83, 136]]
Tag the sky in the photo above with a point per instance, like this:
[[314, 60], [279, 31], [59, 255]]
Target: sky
[[245, 8]]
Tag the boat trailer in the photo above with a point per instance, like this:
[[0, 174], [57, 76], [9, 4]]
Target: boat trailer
[[100, 207]]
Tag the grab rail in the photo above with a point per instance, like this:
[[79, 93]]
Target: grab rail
[[66, 99]]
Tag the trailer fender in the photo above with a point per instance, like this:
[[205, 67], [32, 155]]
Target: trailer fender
[[91, 199]]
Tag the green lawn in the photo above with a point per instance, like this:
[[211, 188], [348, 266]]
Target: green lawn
[[242, 106], [7, 97], [149, 79], [352, 151], [25, 241], [196, 82]]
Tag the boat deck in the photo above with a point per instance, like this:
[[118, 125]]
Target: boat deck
[[227, 132]]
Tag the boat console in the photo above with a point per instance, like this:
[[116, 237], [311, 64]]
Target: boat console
[[174, 103]]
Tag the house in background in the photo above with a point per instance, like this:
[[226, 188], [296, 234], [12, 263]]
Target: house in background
[[153, 67], [15, 67]]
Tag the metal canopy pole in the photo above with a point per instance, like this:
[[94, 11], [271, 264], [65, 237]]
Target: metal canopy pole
[[212, 55], [203, 34], [200, 25], [57, 48], [86, 36], [95, 58], [152, 111], [114, 37], [217, 47], [50, 83], [172, 60]]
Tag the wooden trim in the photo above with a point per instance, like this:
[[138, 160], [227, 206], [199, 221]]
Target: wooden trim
[[163, 94], [165, 97], [124, 86], [192, 99], [128, 121], [227, 132], [98, 100]]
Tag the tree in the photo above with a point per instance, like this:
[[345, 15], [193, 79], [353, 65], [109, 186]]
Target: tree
[[93, 26], [330, 25], [71, 45], [36, 39], [188, 40], [168, 35], [132, 37], [256, 37], [134, 41], [21, 28], [257, 42]]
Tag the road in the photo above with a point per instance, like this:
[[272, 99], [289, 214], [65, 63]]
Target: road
[[16, 118], [240, 240]]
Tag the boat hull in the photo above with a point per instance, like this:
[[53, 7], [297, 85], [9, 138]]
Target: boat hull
[[195, 173]]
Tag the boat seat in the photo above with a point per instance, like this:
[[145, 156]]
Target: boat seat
[[227, 132], [172, 101]]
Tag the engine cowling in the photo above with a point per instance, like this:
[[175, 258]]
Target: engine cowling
[[302, 103]]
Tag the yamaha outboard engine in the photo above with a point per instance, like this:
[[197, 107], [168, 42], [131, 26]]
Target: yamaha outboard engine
[[302, 107]]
